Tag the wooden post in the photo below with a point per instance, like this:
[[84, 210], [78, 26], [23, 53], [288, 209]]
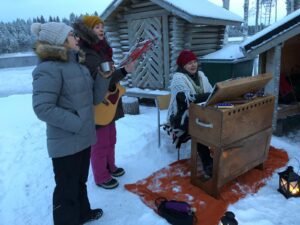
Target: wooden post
[[273, 65]]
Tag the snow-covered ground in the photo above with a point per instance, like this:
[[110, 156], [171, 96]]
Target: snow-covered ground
[[26, 181], [17, 54], [15, 81]]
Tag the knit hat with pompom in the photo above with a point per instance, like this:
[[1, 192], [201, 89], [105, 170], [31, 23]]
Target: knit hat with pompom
[[92, 21], [54, 33]]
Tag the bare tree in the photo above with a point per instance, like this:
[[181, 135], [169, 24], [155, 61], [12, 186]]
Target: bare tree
[[289, 6], [276, 7], [226, 6], [296, 4], [292, 5], [246, 16], [257, 15], [266, 11]]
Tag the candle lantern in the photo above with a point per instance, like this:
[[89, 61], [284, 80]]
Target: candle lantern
[[289, 183], [228, 219]]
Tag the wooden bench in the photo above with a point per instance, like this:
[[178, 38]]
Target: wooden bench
[[161, 98]]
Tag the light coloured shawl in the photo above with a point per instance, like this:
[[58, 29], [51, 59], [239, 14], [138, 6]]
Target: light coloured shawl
[[182, 83]]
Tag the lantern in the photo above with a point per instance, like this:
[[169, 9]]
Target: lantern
[[289, 183], [228, 219]]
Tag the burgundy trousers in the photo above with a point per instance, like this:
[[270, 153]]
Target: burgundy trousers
[[103, 153]]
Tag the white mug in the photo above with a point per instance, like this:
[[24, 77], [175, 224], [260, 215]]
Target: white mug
[[105, 67]]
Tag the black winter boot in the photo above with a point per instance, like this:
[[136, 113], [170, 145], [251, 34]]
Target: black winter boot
[[110, 184], [94, 214], [118, 172]]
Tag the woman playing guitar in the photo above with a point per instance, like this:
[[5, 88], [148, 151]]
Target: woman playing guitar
[[93, 43]]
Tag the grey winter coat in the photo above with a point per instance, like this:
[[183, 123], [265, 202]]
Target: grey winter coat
[[63, 96]]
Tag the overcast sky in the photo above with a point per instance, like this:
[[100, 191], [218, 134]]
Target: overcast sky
[[12, 9], [24, 9]]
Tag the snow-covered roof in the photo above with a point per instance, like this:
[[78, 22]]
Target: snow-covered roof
[[194, 11], [273, 35], [231, 52]]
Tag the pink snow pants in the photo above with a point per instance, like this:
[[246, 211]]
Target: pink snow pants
[[103, 153]]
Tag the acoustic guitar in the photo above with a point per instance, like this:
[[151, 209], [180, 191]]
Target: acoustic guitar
[[106, 110]]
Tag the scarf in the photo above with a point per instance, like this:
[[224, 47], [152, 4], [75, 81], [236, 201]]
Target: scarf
[[102, 48], [182, 82], [194, 79]]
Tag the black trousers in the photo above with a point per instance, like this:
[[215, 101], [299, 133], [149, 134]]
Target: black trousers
[[70, 200], [204, 153]]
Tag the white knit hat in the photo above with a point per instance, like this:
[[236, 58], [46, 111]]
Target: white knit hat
[[53, 32]]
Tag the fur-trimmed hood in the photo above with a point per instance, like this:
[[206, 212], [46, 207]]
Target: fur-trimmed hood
[[46, 52], [85, 33]]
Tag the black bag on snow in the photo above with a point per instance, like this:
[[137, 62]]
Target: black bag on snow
[[175, 212]]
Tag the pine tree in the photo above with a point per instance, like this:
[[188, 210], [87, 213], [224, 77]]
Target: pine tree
[[42, 19], [16, 36], [24, 36], [12, 41], [4, 38], [66, 21], [72, 18]]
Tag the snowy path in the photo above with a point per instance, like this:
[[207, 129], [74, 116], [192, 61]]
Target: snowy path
[[28, 182]]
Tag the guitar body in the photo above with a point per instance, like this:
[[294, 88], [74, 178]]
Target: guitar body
[[105, 112]]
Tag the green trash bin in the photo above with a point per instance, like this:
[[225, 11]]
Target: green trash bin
[[226, 63]]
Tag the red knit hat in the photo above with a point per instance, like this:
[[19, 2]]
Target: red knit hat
[[184, 57]]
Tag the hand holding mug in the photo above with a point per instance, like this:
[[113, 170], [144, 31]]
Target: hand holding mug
[[106, 69]]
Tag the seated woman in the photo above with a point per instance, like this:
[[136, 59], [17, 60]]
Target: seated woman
[[188, 85]]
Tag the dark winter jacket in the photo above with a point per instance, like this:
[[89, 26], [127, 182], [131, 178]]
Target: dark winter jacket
[[64, 95], [96, 52]]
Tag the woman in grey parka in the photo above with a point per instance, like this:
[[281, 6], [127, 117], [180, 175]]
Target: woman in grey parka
[[63, 96]]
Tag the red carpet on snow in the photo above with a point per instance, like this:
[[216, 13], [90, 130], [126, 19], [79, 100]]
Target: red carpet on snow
[[173, 182]]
